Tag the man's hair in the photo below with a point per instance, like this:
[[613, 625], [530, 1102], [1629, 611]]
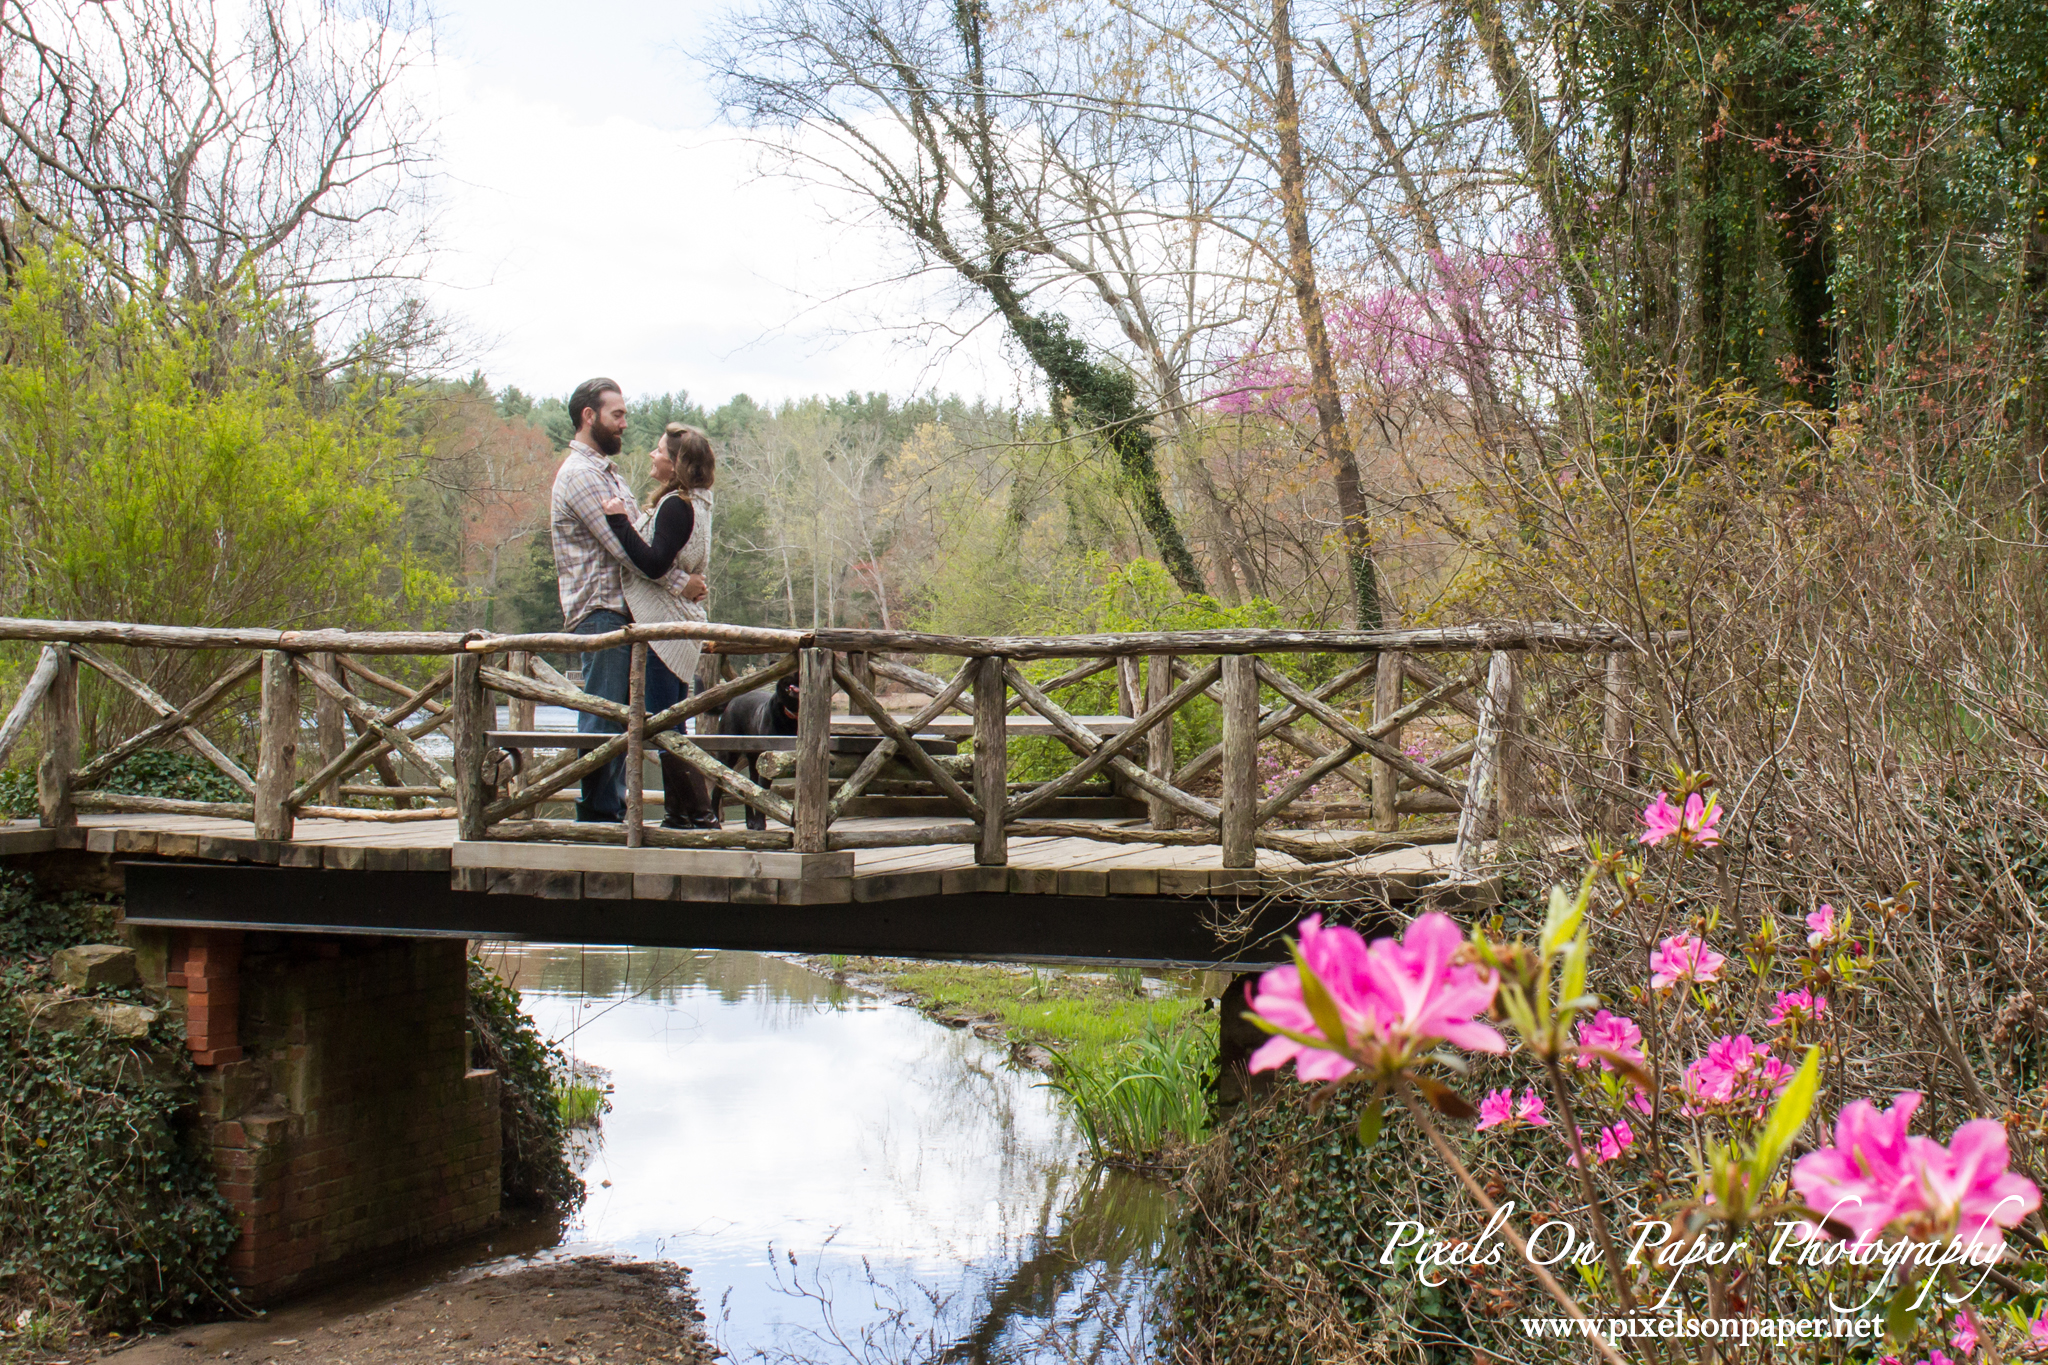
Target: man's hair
[[589, 394]]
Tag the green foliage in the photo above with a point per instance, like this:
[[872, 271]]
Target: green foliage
[[35, 923], [1145, 1098], [156, 473], [1286, 1221], [103, 1202], [535, 1166], [153, 772], [580, 1104]]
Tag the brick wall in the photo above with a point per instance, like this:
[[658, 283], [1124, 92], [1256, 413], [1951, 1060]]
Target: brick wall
[[345, 1124]]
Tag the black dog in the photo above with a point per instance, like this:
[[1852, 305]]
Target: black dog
[[764, 711]]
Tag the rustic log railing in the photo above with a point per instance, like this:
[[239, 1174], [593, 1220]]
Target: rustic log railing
[[1343, 723]]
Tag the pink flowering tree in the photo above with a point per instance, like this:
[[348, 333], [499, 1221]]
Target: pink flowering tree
[[1673, 1083]]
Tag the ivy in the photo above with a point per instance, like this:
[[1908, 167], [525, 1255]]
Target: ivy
[[105, 1202], [535, 1165]]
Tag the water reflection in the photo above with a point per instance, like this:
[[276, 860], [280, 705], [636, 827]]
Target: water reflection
[[846, 1179]]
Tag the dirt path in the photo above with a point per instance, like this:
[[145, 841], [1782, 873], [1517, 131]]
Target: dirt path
[[576, 1312]]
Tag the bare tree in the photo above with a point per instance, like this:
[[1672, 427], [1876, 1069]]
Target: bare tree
[[196, 154]]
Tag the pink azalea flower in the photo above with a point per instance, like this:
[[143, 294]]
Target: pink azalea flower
[[1694, 825], [1615, 1139], [1798, 1007], [1612, 1032], [1501, 1107], [1683, 958], [1877, 1173], [1820, 926], [1938, 1357], [1965, 1339], [1964, 1188], [1639, 1101], [1736, 1070], [1863, 1181], [2037, 1330], [1395, 998], [1890, 1360]]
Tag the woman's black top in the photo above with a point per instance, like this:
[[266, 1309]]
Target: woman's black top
[[672, 526]]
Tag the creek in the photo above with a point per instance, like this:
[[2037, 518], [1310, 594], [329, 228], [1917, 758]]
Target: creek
[[846, 1179]]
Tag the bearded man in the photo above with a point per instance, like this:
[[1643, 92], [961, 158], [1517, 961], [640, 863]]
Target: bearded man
[[588, 559]]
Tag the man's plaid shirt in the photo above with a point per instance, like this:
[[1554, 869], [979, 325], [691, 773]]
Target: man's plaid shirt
[[587, 554]]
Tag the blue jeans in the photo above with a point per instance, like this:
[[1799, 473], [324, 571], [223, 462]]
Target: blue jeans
[[686, 796], [607, 674]]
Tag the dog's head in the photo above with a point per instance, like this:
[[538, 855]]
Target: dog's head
[[786, 695]]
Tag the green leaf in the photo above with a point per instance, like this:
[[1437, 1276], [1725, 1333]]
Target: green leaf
[[1901, 1318], [1562, 919], [1788, 1116], [1322, 1007], [1372, 1119], [1574, 984]]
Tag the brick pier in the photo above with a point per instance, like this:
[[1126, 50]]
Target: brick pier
[[344, 1122]]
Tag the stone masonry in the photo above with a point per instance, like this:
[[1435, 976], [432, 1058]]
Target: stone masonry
[[345, 1124]]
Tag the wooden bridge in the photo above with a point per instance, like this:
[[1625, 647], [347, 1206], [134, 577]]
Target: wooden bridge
[[880, 837]]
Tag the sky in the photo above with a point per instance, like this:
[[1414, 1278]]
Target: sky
[[596, 218]]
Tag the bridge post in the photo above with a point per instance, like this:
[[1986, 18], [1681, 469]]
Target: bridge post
[[472, 719], [60, 757], [1617, 721], [814, 748], [1386, 700], [1475, 817], [329, 726], [277, 741], [991, 759], [636, 746], [1240, 759], [519, 710], [1159, 742]]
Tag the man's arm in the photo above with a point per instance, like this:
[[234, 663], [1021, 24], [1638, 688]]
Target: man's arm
[[583, 493]]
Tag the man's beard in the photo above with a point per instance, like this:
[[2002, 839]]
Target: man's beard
[[608, 442]]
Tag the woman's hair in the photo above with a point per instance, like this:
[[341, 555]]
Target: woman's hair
[[696, 463]]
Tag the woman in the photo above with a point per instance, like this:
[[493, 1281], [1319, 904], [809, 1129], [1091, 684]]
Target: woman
[[671, 548]]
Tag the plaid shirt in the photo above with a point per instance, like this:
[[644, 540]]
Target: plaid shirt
[[587, 554]]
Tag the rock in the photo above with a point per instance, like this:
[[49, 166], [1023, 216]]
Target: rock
[[95, 966], [69, 1013]]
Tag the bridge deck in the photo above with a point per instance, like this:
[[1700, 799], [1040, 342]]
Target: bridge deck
[[1037, 866]]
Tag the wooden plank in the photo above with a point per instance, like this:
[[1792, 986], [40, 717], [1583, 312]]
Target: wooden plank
[[1082, 882], [427, 860], [754, 890], [1132, 881], [889, 886], [700, 862], [831, 891], [1182, 881], [342, 858], [976, 881], [554, 886], [608, 886], [653, 886], [172, 844], [135, 841], [18, 840], [384, 860], [961, 727], [713, 890], [1034, 881]]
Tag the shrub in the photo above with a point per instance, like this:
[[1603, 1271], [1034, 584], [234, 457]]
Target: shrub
[[535, 1165], [103, 1202]]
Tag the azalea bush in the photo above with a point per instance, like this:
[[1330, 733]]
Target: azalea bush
[[1699, 1094]]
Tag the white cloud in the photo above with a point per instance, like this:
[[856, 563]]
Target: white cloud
[[595, 222]]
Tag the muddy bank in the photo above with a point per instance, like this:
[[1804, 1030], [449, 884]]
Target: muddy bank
[[574, 1312]]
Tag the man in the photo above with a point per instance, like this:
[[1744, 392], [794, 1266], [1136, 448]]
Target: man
[[588, 557]]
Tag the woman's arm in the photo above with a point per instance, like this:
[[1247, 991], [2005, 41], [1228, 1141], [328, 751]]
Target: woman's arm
[[671, 528]]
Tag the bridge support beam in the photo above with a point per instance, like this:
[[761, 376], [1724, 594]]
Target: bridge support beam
[[336, 1098]]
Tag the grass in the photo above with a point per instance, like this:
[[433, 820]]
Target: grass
[[1146, 1099], [580, 1104], [1081, 1016], [1135, 1068]]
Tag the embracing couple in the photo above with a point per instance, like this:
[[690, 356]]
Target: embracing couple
[[615, 564]]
